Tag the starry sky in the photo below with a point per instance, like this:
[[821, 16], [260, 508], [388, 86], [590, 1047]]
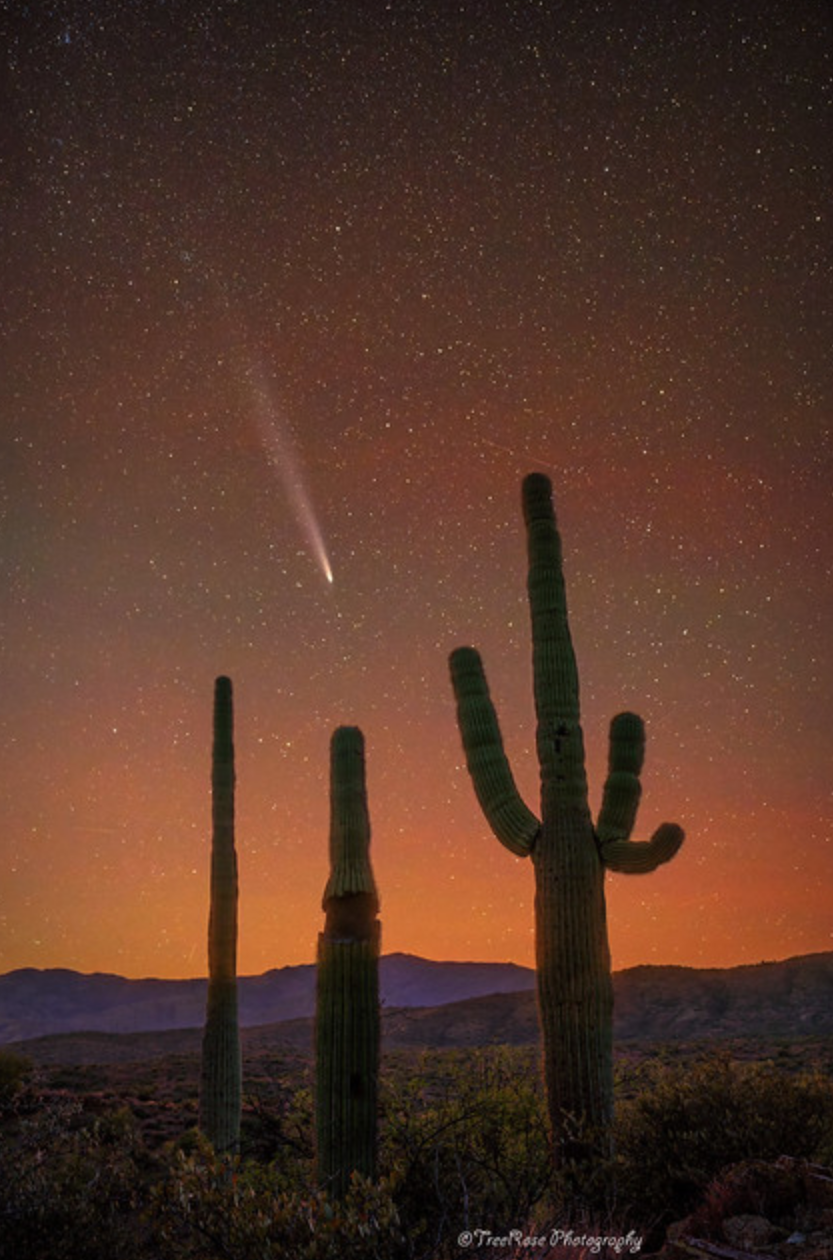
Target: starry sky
[[304, 289]]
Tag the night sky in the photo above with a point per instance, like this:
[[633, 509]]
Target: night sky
[[290, 289]]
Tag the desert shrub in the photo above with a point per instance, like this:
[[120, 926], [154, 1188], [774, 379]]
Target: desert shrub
[[676, 1136], [824, 1151], [464, 1142], [212, 1209], [71, 1185], [277, 1130], [14, 1070], [755, 1188]]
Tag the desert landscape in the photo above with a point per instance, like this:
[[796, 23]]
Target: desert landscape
[[702, 1121]]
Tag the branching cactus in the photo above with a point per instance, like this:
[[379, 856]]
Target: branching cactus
[[569, 853], [347, 1009], [221, 1087]]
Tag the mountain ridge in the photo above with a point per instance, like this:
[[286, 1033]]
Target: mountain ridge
[[41, 1002], [656, 1000]]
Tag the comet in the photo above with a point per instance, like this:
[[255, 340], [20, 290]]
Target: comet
[[272, 425], [276, 439]]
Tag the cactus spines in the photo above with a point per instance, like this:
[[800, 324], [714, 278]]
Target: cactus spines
[[221, 1084], [569, 853], [347, 1026]]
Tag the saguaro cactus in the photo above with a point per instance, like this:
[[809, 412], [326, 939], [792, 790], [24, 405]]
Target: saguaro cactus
[[347, 1010], [569, 853], [221, 1085]]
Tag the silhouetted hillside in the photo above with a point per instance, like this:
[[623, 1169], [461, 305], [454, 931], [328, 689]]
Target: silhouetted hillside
[[657, 1004], [792, 999], [39, 1003]]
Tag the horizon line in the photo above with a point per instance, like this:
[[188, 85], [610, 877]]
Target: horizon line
[[451, 962]]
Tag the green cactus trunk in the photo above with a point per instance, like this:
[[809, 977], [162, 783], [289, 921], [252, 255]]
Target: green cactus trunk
[[569, 853], [575, 989], [221, 1084], [574, 985], [347, 1026]]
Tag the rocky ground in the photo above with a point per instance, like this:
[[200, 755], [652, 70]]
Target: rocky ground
[[760, 1211]]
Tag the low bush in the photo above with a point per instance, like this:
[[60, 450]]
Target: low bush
[[695, 1120], [14, 1071], [464, 1142], [71, 1184], [207, 1208]]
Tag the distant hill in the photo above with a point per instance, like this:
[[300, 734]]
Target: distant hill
[[39, 1003], [651, 1004], [781, 999], [793, 998]]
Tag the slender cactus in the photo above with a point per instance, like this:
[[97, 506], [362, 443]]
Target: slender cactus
[[221, 1085], [569, 854], [347, 1007]]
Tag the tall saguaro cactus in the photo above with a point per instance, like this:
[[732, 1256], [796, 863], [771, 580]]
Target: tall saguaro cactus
[[221, 1085], [569, 854], [347, 1008]]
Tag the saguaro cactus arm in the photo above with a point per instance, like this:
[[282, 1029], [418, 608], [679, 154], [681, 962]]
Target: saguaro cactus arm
[[640, 857], [510, 819], [622, 789], [620, 802]]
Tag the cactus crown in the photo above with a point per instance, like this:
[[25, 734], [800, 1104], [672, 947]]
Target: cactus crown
[[350, 870]]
